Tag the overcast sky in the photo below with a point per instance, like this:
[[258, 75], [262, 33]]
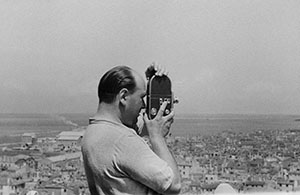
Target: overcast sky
[[233, 56]]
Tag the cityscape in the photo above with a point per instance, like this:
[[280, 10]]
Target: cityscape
[[234, 67], [256, 161]]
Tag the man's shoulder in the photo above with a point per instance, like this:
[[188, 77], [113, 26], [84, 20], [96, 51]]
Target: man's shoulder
[[108, 128], [109, 136]]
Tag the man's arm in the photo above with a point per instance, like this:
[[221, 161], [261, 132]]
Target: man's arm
[[157, 129], [89, 174]]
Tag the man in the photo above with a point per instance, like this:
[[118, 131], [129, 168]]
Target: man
[[116, 159]]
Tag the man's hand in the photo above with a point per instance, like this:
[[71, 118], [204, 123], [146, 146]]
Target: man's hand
[[157, 129], [160, 125], [155, 69]]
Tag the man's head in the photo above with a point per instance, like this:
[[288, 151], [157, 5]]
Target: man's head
[[113, 81], [125, 88]]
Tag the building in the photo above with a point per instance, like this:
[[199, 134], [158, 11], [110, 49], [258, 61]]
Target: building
[[211, 178], [55, 190], [7, 161], [28, 138], [209, 188], [62, 161], [286, 186], [12, 183], [184, 167], [254, 186], [69, 139], [5, 187], [47, 144]]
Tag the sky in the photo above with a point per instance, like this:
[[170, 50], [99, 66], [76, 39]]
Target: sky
[[233, 56]]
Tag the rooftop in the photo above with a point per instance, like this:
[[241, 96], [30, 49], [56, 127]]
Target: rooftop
[[70, 135], [63, 157]]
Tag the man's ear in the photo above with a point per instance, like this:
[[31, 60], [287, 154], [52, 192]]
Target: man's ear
[[123, 94]]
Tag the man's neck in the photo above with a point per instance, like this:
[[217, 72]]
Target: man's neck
[[109, 112]]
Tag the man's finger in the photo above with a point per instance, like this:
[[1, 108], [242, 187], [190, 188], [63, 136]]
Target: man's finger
[[162, 109], [170, 117], [158, 69]]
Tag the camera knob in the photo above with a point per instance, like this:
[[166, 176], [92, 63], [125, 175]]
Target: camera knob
[[167, 111], [176, 100], [153, 111]]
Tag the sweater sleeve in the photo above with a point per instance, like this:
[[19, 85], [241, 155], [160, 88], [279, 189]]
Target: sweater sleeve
[[139, 162]]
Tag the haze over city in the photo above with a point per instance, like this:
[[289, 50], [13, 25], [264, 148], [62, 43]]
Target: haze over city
[[230, 56]]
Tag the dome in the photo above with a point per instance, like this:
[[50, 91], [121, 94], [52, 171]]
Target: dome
[[32, 192], [225, 188]]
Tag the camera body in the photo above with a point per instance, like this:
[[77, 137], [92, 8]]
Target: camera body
[[159, 89]]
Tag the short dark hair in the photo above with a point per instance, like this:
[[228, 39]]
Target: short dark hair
[[113, 81]]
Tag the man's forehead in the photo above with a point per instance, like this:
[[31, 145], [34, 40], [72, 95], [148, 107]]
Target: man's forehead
[[140, 81]]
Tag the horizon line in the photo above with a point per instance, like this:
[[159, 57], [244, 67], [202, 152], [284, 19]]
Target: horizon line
[[178, 114]]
